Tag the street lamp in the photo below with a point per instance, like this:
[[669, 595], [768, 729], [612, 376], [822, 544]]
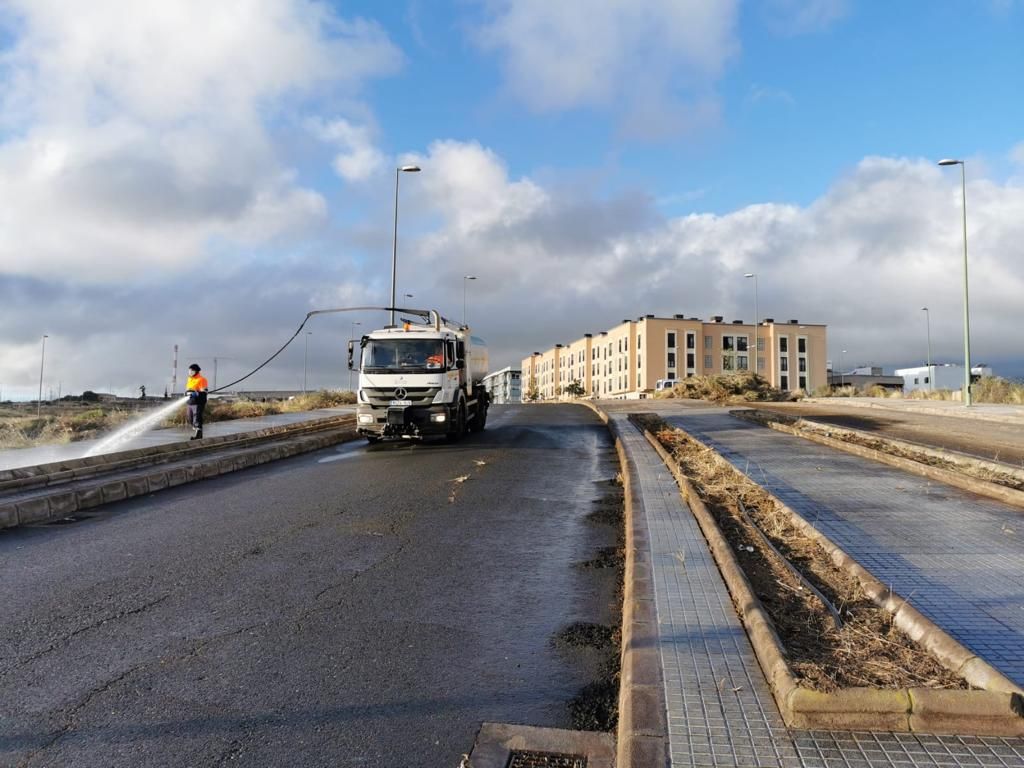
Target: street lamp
[[753, 275], [928, 326], [42, 361], [305, 361], [842, 376], [352, 336], [465, 280], [967, 313], [394, 249]]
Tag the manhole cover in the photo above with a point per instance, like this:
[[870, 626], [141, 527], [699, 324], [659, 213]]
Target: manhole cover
[[527, 759]]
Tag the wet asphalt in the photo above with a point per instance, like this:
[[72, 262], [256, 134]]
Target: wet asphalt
[[357, 606]]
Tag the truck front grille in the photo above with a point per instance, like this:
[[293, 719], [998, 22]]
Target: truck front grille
[[382, 396]]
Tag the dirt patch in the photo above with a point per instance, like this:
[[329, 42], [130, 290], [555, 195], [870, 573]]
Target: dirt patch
[[869, 650], [596, 706]]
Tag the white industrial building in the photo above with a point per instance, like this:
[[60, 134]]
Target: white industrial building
[[939, 376], [504, 386]]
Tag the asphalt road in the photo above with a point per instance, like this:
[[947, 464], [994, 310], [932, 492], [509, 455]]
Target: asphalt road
[[352, 607]]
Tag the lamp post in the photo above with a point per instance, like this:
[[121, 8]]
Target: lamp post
[[394, 248], [305, 360], [754, 275], [352, 336], [928, 326], [842, 376], [465, 280], [967, 313], [42, 361]]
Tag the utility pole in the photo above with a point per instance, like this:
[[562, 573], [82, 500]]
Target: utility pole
[[174, 372]]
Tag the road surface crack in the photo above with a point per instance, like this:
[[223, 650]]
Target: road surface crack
[[86, 628]]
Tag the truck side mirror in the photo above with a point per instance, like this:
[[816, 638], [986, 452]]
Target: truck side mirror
[[350, 354], [460, 363]]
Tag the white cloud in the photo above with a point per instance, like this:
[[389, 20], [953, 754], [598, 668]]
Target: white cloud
[[358, 158], [800, 17], [139, 133], [622, 54]]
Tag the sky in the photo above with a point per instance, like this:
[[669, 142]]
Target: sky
[[204, 174]]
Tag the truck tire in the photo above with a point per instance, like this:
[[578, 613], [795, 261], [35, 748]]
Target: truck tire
[[372, 439], [460, 424]]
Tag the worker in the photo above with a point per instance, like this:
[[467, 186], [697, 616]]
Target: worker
[[196, 389]]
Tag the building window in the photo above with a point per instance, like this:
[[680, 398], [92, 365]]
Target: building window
[[639, 341], [707, 362], [691, 360], [728, 343], [803, 382], [783, 344], [671, 340], [784, 382], [671, 362], [741, 343], [741, 362], [760, 343], [727, 362], [638, 359], [691, 341], [801, 345], [784, 364], [802, 364], [709, 342]]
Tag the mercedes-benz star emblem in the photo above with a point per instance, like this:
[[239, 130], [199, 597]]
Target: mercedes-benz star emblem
[[400, 393]]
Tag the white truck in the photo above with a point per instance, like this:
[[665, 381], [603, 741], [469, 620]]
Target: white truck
[[421, 378]]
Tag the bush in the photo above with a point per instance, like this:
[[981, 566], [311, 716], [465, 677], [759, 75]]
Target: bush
[[729, 388]]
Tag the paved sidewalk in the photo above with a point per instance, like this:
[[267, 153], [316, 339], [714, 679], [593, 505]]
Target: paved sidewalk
[[720, 709], [958, 557], [44, 454]]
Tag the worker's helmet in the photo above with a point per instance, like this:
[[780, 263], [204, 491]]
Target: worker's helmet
[[195, 367]]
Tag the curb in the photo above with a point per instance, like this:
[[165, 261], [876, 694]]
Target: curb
[[61, 504], [780, 423], [996, 710], [642, 735]]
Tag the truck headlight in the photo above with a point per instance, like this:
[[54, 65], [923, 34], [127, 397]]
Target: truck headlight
[[439, 397], [438, 417], [366, 418]]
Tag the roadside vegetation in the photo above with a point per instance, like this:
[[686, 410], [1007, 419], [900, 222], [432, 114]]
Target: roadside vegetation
[[72, 421], [991, 389], [727, 388]]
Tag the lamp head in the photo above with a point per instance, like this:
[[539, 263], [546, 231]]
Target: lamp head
[[950, 161], [410, 169], [469, 277], [750, 274]]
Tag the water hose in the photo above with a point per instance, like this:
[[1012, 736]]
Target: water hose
[[424, 313]]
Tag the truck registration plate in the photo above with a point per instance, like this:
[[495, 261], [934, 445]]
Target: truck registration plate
[[400, 402]]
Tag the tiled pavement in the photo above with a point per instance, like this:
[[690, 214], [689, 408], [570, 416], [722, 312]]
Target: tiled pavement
[[958, 557], [720, 710]]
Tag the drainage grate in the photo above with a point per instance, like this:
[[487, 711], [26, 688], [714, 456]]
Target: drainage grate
[[527, 759]]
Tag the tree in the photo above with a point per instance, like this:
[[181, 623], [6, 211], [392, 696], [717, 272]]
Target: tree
[[532, 393], [575, 389]]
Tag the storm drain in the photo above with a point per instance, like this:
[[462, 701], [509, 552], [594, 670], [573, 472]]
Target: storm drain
[[527, 759]]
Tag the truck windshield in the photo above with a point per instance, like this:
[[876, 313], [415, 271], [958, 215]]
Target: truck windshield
[[404, 355]]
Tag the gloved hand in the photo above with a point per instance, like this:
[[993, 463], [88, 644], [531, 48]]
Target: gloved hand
[[193, 396]]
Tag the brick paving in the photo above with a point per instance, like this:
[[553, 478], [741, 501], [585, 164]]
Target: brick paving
[[720, 709]]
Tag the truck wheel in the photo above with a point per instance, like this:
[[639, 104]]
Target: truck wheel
[[460, 425], [372, 439]]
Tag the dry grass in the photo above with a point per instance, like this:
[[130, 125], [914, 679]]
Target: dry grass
[[20, 428], [731, 388], [869, 650], [991, 389]]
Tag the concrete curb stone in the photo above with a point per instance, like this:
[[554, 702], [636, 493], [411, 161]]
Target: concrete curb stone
[[160, 477], [642, 735]]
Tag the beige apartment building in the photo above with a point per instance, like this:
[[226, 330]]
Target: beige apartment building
[[631, 358]]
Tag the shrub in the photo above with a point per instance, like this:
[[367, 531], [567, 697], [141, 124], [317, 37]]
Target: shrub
[[729, 388]]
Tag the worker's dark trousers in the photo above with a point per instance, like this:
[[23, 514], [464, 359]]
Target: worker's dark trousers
[[195, 416]]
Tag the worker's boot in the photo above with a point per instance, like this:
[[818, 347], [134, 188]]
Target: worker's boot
[[198, 435]]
